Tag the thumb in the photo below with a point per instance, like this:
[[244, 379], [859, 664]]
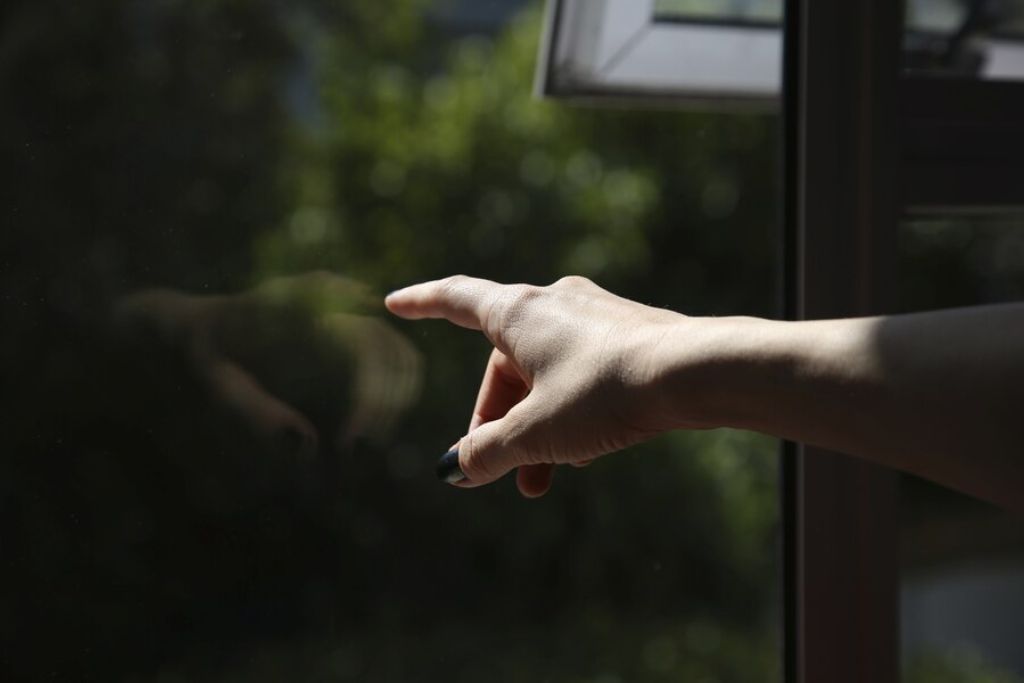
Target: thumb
[[490, 451]]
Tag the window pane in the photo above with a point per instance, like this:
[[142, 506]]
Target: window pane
[[963, 561], [218, 451]]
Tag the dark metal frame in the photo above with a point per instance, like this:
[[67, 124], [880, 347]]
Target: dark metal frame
[[864, 145], [842, 65]]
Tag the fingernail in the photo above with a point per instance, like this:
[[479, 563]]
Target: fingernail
[[448, 469]]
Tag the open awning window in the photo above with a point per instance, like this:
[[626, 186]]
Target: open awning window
[[724, 53], [706, 51]]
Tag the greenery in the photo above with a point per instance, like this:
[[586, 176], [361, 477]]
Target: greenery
[[276, 167], [955, 666], [764, 10]]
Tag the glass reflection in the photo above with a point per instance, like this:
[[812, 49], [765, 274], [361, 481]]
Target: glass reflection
[[962, 578], [217, 455]]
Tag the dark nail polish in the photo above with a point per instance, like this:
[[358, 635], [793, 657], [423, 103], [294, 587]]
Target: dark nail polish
[[448, 469]]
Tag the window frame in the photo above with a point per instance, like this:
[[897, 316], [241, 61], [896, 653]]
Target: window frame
[[865, 144], [741, 56], [574, 62], [841, 204]]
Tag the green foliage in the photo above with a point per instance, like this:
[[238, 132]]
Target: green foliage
[[764, 10], [214, 146], [460, 168], [949, 261], [956, 666]]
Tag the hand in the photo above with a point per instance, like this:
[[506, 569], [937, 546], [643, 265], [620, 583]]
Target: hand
[[577, 372], [574, 373]]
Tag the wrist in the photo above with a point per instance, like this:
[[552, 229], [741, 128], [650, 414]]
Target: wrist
[[723, 372], [777, 377]]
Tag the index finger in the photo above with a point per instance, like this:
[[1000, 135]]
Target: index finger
[[459, 299]]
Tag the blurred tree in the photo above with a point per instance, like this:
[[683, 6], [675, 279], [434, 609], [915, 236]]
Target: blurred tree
[[208, 145], [954, 666]]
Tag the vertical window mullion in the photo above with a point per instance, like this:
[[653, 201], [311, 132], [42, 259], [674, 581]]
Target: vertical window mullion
[[843, 65]]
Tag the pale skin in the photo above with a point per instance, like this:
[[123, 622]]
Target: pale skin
[[578, 372]]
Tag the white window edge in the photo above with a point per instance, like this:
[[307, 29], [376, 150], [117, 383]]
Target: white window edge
[[613, 47]]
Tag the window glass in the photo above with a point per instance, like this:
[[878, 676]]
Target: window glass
[[962, 587], [218, 450]]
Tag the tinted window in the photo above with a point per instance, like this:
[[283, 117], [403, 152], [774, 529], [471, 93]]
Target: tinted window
[[218, 450]]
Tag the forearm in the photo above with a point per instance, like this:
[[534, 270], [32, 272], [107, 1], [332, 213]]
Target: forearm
[[937, 394]]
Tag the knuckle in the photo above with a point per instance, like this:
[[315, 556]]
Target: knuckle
[[494, 449], [507, 307], [450, 288], [522, 295], [573, 282], [452, 283], [527, 443], [476, 464]]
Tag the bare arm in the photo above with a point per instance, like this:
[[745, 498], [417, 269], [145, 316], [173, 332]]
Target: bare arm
[[938, 394], [578, 372]]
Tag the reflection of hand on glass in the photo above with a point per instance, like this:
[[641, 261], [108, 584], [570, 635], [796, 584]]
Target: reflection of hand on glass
[[577, 372], [251, 350]]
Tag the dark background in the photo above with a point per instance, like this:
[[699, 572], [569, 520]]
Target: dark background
[[191, 188]]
